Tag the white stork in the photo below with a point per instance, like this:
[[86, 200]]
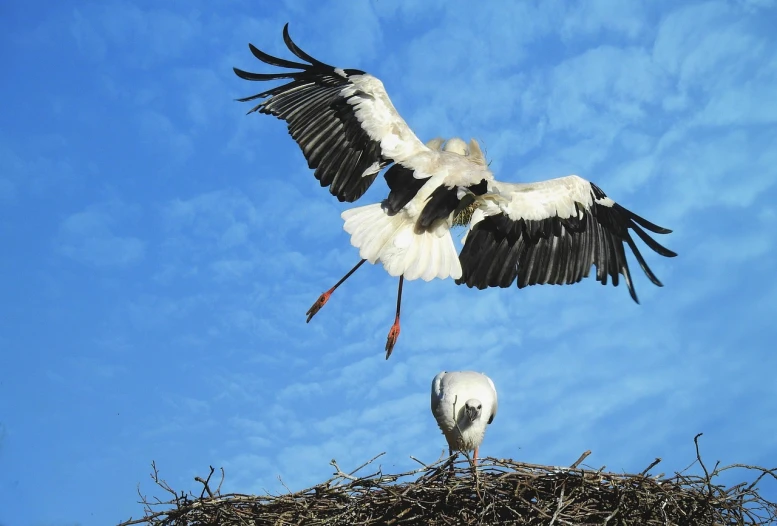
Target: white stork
[[549, 232], [463, 403]]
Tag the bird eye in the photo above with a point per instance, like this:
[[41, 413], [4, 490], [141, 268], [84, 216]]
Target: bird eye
[[480, 406]]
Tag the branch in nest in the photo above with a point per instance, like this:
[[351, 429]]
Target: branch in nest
[[503, 492], [580, 459], [205, 482]]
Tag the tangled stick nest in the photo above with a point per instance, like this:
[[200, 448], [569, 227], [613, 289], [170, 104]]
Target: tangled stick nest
[[499, 492]]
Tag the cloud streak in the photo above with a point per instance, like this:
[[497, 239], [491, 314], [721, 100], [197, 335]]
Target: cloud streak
[[87, 237]]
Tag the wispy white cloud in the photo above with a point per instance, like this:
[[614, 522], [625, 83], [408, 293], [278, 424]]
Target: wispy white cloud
[[37, 167], [155, 35], [160, 134], [598, 18], [89, 237], [704, 59]]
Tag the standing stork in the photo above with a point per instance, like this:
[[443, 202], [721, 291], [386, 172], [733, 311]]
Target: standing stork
[[549, 232], [463, 403]]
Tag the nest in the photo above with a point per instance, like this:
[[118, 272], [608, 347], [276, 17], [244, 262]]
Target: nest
[[498, 492]]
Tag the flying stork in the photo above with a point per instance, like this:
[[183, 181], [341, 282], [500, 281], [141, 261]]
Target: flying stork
[[463, 403], [549, 232]]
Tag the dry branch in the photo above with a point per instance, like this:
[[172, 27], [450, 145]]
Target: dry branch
[[503, 492]]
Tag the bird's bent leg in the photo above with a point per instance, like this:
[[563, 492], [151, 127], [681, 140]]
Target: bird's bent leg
[[321, 301], [394, 331]]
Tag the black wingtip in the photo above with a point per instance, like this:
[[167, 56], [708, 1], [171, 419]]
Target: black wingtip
[[647, 224], [275, 61], [654, 245], [629, 282], [240, 73], [298, 52], [255, 51], [642, 263]]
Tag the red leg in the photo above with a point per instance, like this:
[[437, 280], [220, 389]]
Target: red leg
[[475, 457], [394, 331], [321, 301]]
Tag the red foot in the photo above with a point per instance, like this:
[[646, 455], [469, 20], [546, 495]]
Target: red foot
[[393, 335], [320, 302]]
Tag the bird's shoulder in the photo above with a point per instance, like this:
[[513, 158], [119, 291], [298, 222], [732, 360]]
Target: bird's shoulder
[[461, 381]]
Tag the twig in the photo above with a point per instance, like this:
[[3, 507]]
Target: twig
[[580, 459], [205, 482], [218, 490], [425, 467], [698, 457], [370, 461], [651, 466], [339, 473], [159, 482], [559, 506]]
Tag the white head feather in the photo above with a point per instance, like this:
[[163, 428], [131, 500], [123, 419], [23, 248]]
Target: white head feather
[[456, 145], [475, 153], [435, 144]]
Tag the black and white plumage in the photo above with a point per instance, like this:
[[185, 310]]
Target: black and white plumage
[[549, 232], [552, 232], [463, 403], [348, 130]]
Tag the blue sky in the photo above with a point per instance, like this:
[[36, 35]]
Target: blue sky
[[161, 248]]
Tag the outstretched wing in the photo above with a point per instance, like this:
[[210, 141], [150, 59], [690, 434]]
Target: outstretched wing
[[552, 232], [342, 119]]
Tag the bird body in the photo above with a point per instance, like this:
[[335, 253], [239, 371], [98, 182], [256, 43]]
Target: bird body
[[549, 232], [392, 241], [384, 232], [463, 403]]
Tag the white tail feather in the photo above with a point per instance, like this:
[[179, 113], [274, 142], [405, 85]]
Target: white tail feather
[[392, 241]]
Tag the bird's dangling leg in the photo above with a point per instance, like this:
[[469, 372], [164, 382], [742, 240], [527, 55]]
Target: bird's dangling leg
[[475, 457], [394, 331], [321, 301]]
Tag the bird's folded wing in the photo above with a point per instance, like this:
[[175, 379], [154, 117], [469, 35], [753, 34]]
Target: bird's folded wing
[[495, 404], [441, 406], [552, 232], [342, 119]]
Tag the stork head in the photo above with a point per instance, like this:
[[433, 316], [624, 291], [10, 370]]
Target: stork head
[[473, 408], [456, 145]]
